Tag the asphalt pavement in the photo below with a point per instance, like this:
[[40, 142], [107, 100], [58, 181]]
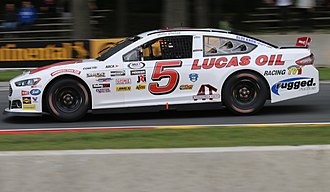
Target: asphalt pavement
[[4, 86], [309, 109]]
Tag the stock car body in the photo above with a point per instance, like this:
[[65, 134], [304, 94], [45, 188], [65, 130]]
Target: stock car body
[[169, 69]]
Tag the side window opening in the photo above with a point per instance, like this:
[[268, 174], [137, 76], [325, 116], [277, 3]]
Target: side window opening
[[173, 47], [133, 55], [177, 47], [240, 48], [224, 46]]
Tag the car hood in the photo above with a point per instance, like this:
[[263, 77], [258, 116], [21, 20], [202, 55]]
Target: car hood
[[61, 64]]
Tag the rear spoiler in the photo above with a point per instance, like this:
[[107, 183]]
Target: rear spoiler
[[303, 42]]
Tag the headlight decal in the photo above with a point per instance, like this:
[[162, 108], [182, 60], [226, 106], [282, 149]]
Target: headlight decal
[[27, 82]]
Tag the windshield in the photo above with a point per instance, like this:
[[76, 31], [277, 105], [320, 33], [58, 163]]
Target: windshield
[[114, 48]]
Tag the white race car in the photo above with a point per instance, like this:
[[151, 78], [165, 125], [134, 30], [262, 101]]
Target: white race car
[[169, 69]]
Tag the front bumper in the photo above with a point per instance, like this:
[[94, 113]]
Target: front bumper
[[11, 112], [24, 100]]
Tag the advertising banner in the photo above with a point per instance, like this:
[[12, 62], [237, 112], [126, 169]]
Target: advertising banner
[[33, 54]]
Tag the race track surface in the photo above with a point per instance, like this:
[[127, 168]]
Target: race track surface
[[309, 109]]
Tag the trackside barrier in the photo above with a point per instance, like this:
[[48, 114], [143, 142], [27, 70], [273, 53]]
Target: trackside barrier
[[236, 169], [31, 54]]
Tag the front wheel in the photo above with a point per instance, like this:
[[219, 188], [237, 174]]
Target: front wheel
[[244, 93], [67, 100]]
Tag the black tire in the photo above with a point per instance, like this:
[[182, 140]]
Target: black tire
[[67, 100], [244, 93]]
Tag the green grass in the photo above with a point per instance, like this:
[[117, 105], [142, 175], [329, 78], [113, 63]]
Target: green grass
[[169, 138], [324, 73], [7, 75]]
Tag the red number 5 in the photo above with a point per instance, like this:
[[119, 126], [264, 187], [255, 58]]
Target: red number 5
[[161, 72]]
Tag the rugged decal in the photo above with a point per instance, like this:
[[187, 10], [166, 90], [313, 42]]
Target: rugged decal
[[298, 83]]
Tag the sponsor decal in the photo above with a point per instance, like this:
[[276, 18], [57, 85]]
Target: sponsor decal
[[103, 90], [249, 40], [139, 65], [138, 72], [29, 106], [95, 86], [35, 99], [104, 79], [193, 77], [186, 87], [65, 71], [123, 81], [123, 88], [35, 92], [96, 74], [36, 86], [202, 95], [89, 68], [141, 87], [298, 83], [275, 72], [111, 66], [117, 73], [303, 42], [225, 62], [295, 70], [246, 39], [220, 62], [197, 50], [23, 93], [272, 60], [26, 100], [141, 79]]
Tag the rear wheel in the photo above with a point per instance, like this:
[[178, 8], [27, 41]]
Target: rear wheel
[[67, 100], [244, 93]]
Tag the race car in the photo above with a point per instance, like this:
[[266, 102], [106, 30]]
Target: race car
[[169, 69]]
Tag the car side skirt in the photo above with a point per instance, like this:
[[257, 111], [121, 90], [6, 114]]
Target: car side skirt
[[178, 107]]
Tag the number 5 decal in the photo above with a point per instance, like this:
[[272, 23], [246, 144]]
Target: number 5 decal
[[161, 72]]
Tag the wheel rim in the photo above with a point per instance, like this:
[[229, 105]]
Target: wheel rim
[[245, 92], [68, 99]]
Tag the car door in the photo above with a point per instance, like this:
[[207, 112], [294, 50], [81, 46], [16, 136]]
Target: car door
[[159, 72]]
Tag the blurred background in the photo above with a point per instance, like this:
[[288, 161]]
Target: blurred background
[[90, 19]]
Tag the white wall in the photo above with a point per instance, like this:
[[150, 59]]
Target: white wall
[[242, 169]]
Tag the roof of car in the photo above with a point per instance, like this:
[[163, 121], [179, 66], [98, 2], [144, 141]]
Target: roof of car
[[148, 33], [182, 29]]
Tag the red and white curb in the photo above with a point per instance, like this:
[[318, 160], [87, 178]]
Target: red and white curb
[[130, 128]]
